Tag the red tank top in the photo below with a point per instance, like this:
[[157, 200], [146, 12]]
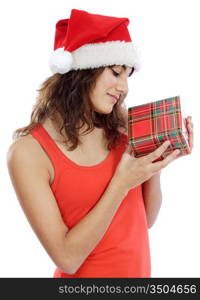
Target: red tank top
[[124, 249]]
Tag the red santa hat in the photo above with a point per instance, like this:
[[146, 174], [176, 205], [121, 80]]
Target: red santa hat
[[88, 40]]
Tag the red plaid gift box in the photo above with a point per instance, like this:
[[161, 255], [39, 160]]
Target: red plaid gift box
[[151, 124]]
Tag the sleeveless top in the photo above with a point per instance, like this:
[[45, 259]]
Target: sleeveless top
[[124, 249]]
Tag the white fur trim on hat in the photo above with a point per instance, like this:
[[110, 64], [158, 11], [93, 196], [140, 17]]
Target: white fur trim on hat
[[96, 55]]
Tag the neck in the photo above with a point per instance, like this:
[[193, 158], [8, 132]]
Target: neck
[[96, 135]]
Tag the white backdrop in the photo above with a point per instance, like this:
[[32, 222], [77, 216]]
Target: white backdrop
[[168, 36]]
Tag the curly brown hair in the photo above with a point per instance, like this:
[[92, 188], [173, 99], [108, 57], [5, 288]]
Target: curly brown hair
[[68, 95]]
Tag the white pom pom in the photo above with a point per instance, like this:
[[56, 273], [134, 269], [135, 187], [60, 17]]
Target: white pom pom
[[60, 61]]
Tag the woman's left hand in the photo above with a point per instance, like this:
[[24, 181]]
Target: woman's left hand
[[190, 126]]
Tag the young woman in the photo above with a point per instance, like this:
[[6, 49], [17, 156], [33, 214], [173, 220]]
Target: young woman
[[88, 200]]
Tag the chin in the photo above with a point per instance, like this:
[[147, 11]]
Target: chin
[[105, 111]]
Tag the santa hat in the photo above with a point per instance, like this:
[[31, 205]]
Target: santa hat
[[88, 40]]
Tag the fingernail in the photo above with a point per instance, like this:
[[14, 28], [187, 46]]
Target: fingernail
[[177, 151]]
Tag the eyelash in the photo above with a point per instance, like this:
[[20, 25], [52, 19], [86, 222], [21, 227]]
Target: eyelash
[[118, 74], [115, 73]]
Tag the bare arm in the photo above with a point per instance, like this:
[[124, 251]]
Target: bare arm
[[152, 198], [67, 248]]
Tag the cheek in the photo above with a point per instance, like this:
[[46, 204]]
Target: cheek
[[108, 82], [104, 84]]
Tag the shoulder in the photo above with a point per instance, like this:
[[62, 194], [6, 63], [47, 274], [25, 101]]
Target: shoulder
[[26, 150], [24, 145]]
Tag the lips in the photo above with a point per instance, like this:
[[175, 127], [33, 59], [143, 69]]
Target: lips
[[115, 98]]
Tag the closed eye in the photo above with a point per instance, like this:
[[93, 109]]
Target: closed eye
[[115, 73]]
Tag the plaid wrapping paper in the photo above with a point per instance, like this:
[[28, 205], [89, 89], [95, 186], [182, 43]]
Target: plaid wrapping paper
[[151, 124]]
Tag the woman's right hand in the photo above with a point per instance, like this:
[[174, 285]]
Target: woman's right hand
[[132, 171]]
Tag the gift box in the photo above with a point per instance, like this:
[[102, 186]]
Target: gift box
[[151, 124]]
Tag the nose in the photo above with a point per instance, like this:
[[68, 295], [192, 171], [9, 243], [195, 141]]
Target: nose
[[122, 85]]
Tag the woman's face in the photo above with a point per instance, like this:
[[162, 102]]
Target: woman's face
[[110, 85]]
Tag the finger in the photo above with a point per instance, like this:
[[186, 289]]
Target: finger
[[189, 121], [190, 127], [158, 152], [162, 164], [190, 141], [190, 133]]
